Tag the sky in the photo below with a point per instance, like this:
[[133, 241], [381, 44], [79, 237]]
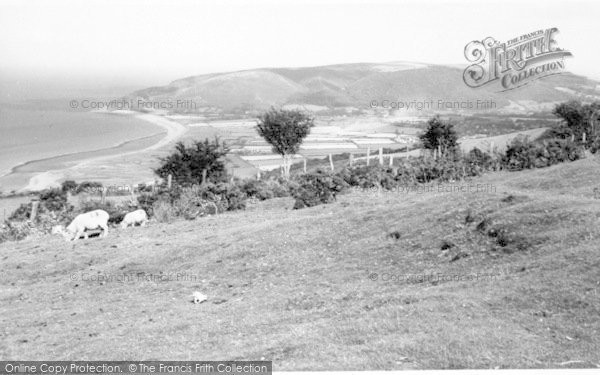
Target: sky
[[153, 42]]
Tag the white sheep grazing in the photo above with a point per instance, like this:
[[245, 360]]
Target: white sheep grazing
[[89, 220], [136, 217]]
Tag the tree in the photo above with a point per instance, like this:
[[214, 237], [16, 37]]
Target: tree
[[285, 130], [577, 117], [439, 134], [187, 163]]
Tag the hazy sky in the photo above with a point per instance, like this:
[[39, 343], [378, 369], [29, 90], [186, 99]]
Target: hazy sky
[[153, 42]]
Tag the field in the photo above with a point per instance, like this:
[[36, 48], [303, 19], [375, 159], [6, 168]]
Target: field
[[373, 281]]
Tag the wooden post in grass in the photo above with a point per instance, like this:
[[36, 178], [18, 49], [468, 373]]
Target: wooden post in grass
[[368, 154], [258, 175], [204, 176], [583, 138], [34, 209], [391, 160], [169, 181], [304, 165], [331, 161], [439, 153], [351, 159], [380, 155], [572, 137]]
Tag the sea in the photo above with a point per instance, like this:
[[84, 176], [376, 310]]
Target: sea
[[41, 135]]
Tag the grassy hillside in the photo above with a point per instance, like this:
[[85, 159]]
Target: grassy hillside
[[515, 286], [356, 85]]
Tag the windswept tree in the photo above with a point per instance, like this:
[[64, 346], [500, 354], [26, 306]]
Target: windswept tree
[[285, 131], [187, 163], [439, 134]]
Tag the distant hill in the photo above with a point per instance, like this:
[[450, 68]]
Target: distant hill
[[354, 86]]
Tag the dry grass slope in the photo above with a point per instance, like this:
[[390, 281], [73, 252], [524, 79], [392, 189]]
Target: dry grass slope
[[297, 287]]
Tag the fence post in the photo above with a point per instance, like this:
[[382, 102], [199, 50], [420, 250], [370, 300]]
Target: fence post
[[572, 137], [169, 181], [203, 176], [34, 209], [304, 165], [351, 159], [258, 175], [583, 138], [331, 161], [391, 160], [380, 155], [368, 154]]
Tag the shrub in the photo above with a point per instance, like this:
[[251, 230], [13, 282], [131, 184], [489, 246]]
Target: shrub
[[190, 204], [317, 188], [52, 203], [14, 231], [257, 189], [523, 154], [146, 200], [479, 159], [279, 187], [594, 144], [54, 199], [364, 176], [68, 186], [164, 212]]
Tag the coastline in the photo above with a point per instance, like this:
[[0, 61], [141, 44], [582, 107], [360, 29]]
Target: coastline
[[51, 178]]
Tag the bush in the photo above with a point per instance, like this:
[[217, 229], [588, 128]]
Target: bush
[[257, 189], [52, 203], [317, 188], [279, 187], [54, 199], [480, 159], [14, 231], [193, 201], [68, 186], [164, 212], [523, 154], [191, 205], [595, 144]]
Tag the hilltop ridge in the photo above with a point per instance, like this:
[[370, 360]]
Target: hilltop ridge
[[354, 86]]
